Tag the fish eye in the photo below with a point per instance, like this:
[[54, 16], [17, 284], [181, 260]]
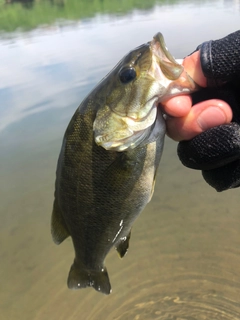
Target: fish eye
[[126, 75]]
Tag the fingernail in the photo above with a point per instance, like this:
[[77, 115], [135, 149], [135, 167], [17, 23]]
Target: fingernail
[[211, 117]]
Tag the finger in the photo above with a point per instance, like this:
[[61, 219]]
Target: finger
[[178, 106], [192, 64], [202, 116]]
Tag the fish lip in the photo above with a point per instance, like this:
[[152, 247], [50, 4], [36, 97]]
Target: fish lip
[[169, 67], [158, 40]]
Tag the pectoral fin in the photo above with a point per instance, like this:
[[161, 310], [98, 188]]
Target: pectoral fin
[[123, 245], [58, 227]]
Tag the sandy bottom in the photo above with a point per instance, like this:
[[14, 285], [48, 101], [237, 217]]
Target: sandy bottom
[[183, 261]]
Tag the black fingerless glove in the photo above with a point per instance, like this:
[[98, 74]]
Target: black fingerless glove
[[217, 151], [220, 60]]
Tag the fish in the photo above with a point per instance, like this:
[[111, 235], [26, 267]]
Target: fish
[[108, 162]]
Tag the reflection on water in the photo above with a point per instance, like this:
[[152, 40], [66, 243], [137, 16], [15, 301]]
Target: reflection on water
[[184, 256], [28, 14]]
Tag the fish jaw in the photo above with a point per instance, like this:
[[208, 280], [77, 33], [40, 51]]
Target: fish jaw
[[172, 76], [121, 133]]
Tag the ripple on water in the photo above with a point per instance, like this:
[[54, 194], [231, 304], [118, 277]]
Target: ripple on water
[[182, 299]]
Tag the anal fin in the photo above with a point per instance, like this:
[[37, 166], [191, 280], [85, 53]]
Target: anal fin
[[123, 245], [58, 226]]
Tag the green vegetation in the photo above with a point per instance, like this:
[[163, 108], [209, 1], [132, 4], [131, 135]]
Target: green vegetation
[[27, 15]]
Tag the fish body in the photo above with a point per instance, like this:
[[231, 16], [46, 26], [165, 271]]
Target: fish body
[[109, 158]]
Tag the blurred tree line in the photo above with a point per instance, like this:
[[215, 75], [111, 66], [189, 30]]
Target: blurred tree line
[[29, 14]]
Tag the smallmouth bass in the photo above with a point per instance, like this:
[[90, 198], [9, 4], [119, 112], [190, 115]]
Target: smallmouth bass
[[109, 158]]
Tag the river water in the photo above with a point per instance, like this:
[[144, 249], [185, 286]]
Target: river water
[[184, 256]]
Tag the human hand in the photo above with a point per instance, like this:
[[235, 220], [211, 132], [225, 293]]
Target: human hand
[[185, 121], [209, 132]]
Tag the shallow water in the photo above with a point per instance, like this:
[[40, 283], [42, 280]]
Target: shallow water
[[184, 256]]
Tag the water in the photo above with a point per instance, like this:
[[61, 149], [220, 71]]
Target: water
[[184, 256]]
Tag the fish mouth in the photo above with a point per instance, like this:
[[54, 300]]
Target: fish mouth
[[166, 69], [118, 131], [169, 76], [169, 66]]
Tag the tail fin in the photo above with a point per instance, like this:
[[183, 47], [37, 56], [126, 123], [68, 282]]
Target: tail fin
[[79, 278]]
